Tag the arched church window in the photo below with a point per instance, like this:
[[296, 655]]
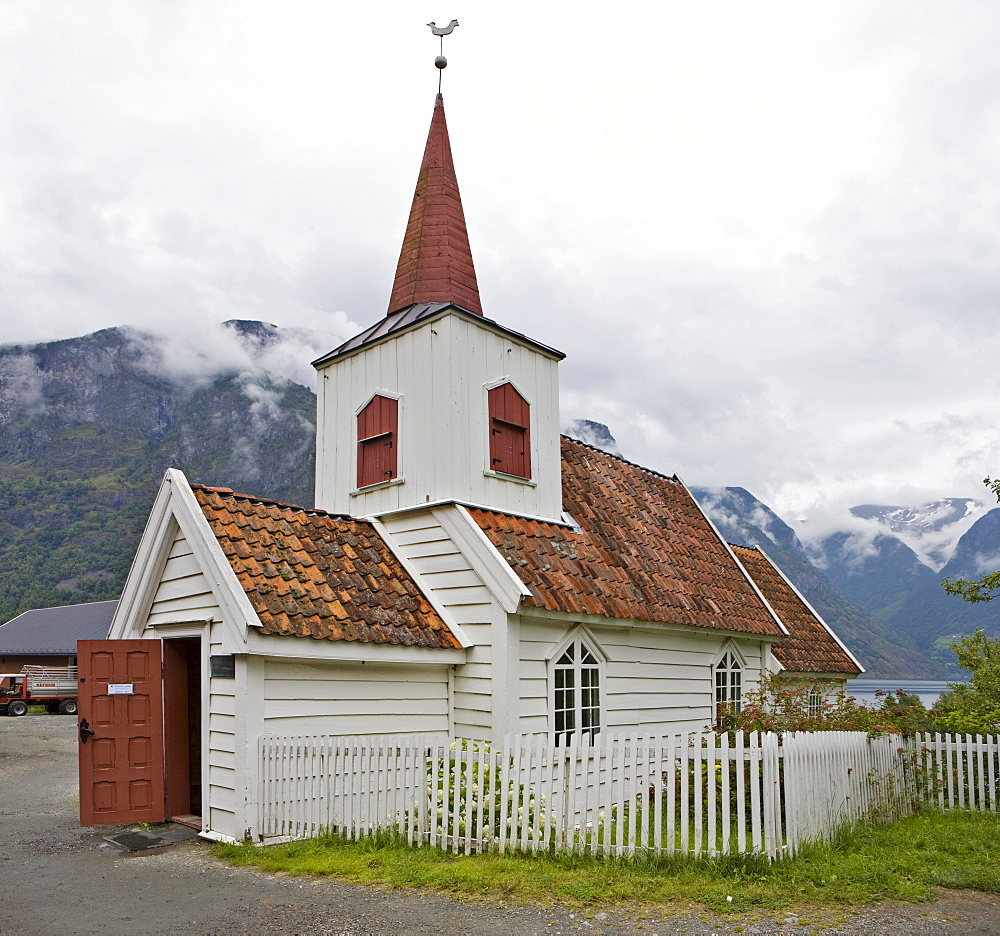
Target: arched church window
[[728, 683], [576, 679]]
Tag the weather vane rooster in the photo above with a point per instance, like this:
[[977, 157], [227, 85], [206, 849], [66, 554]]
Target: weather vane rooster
[[441, 31]]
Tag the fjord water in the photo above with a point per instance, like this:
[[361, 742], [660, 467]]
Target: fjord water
[[927, 689]]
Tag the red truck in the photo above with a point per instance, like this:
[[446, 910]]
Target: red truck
[[55, 687]]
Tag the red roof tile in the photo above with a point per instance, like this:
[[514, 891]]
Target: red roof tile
[[645, 550], [308, 573], [809, 647]]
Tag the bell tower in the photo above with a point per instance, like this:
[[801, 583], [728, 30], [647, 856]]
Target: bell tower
[[436, 402]]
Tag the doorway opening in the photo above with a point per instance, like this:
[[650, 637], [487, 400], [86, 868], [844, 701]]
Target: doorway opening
[[182, 728]]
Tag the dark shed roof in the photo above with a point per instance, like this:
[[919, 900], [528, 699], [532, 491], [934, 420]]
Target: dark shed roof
[[56, 630], [411, 316]]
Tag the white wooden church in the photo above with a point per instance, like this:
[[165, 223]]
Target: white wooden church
[[466, 571]]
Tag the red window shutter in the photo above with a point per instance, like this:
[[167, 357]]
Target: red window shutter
[[377, 435], [510, 442]]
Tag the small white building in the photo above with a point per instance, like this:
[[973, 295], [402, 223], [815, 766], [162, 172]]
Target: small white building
[[467, 571]]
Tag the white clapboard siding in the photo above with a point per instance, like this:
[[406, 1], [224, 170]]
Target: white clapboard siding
[[223, 744], [447, 573], [653, 680], [301, 696], [183, 589]]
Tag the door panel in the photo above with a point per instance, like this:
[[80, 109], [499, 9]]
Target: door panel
[[121, 764]]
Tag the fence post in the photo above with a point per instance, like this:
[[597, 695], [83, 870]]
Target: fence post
[[772, 795]]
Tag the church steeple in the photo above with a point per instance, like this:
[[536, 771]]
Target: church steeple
[[435, 263], [435, 403]]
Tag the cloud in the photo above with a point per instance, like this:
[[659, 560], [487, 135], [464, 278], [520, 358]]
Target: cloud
[[987, 562], [21, 380], [767, 242], [220, 349]]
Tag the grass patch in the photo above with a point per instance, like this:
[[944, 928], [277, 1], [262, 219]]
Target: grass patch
[[903, 861]]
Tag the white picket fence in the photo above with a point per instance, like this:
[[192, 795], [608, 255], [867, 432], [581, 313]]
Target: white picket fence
[[693, 794]]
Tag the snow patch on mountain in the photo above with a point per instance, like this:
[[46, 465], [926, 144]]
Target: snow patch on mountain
[[931, 530]]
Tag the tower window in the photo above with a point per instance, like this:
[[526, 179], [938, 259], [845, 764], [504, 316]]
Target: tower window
[[510, 442], [377, 436]]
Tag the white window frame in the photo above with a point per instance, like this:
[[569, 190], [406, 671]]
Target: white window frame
[[587, 720], [398, 479], [489, 470], [814, 701], [728, 663]]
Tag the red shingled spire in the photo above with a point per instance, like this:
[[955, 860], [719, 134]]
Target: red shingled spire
[[435, 263]]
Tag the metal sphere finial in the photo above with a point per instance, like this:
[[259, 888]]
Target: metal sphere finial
[[440, 62]]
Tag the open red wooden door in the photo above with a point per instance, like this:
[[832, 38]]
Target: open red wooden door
[[121, 731]]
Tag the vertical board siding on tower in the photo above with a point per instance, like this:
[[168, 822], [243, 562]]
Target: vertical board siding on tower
[[450, 467], [446, 571], [440, 370]]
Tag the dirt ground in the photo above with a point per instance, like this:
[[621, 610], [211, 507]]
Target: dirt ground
[[58, 879]]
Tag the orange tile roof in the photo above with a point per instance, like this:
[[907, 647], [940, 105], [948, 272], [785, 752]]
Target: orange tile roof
[[308, 573], [645, 550], [810, 646]]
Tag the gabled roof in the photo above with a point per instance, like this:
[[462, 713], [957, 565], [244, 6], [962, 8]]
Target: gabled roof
[[811, 647], [308, 573], [435, 262], [643, 550], [56, 630]]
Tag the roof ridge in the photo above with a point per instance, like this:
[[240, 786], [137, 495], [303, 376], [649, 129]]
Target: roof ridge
[[271, 502], [623, 460], [75, 604]]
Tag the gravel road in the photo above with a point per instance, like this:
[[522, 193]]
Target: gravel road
[[57, 880]]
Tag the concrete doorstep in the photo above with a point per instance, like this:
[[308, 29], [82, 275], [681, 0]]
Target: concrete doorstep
[[138, 840]]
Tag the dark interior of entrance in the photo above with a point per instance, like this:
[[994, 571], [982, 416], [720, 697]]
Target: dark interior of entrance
[[182, 727]]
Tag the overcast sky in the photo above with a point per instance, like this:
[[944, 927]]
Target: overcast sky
[[765, 234]]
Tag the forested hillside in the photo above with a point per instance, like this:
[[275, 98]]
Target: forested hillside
[[87, 428]]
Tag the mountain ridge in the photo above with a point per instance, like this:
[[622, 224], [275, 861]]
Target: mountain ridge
[[88, 425]]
